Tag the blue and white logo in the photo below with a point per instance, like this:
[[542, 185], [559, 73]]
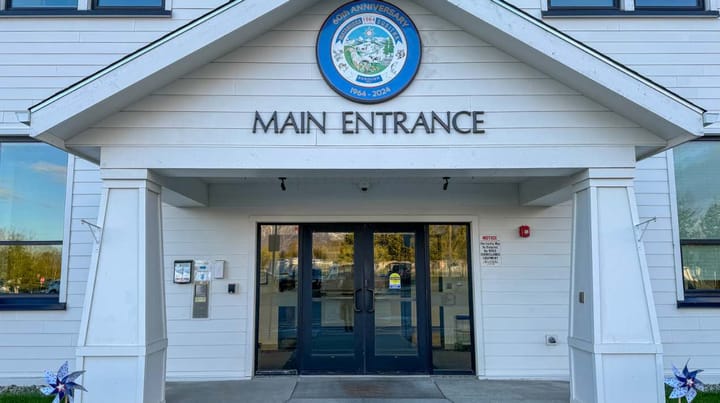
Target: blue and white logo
[[368, 51]]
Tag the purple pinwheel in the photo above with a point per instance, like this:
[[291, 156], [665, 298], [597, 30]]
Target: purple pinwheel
[[62, 384], [684, 384]]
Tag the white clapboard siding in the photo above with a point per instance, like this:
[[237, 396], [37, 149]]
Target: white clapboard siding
[[679, 53], [526, 297], [682, 54], [40, 56]]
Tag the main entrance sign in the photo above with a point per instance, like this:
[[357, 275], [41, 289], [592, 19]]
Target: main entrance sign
[[368, 51]]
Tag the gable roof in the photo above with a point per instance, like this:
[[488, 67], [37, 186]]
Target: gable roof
[[526, 38]]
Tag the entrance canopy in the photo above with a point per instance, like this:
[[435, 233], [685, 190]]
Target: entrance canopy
[[74, 110], [499, 96]]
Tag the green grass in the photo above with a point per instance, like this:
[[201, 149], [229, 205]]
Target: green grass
[[702, 397], [25, 398]]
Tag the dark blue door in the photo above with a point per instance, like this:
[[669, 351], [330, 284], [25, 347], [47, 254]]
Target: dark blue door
[[363, 299]]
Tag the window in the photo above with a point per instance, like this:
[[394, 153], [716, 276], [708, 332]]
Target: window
[[277, 334], [42, 4], [669, 4], [583, 4], [697, 168], [83, 7], [128, 4], [450, 287], [33, 179], [626, 7]]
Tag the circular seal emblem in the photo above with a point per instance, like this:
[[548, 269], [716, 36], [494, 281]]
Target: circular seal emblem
[[368, 51]]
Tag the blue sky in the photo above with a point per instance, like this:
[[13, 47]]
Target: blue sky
[[32, 190], [361, 31]]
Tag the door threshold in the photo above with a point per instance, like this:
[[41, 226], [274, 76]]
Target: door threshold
[[366, 376]]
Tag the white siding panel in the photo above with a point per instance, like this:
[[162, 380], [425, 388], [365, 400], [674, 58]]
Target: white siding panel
[[214, 348], [41, 56], [682, 54], [526, 297]]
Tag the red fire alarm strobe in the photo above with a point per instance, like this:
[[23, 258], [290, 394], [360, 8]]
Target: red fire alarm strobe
[[524, 231]]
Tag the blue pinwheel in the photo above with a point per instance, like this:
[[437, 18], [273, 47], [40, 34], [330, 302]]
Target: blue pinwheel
[[685, 384], [62, 384]]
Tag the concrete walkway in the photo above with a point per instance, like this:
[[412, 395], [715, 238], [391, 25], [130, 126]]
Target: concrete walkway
[[387, 389]]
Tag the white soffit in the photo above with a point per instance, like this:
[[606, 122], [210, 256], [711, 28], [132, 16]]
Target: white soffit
[[74, 109]]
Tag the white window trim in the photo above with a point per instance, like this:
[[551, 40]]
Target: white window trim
[[67, 220], [629, 5], [675, 225], [86, 5], [67, 226]]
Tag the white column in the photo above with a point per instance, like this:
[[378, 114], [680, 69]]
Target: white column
[[123, 336], [615, 348]]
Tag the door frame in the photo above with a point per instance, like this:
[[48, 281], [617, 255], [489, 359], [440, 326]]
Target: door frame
[[476, 311], [356, 364], [365, 361]]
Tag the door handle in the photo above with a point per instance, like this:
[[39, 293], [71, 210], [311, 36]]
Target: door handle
[[371, 305], [355, 300]]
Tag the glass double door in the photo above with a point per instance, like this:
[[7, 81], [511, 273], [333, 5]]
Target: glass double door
[[362, 297]]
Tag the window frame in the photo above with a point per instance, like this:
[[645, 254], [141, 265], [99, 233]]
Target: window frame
[[628, 9], [700, 6], [615, 6], [96, 6], [9, 7], [41, 302], [86, 8], [688, 298]]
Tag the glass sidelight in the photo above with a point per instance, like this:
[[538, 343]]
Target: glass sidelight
[[277, 298], [450, 287]]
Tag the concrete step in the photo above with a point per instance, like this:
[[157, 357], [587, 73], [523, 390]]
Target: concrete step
[[388, 389], [371, 400], [351, 390]]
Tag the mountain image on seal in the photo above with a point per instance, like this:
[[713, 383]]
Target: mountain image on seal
[[369, 50]]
